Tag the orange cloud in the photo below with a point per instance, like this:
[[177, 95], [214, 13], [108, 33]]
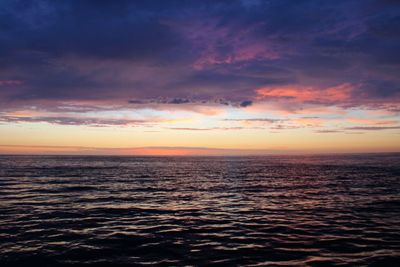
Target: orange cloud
[[309, 121], [340, 93], [284, 108], [372, 122]]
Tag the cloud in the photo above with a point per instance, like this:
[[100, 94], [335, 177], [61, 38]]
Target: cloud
[[174, 101], [339, 94], [10, 82], [74, 121], [179, 101], [358, 129], [211, 129], [373, 121], [309, 121], [266, 120], [178, 54], [285, 127], [328, 131], [372, 128], [190, 129], [246, 103]]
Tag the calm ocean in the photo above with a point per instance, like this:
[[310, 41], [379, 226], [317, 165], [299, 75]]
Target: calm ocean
[[332, 210]]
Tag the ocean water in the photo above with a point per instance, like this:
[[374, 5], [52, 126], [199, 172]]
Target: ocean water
[[338, 210]]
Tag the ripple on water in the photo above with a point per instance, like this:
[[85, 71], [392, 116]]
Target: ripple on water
[[255, 211]]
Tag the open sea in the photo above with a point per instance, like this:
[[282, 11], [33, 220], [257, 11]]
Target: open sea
[[331, 210]]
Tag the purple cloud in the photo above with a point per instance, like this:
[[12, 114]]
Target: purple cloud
[[196, 52]]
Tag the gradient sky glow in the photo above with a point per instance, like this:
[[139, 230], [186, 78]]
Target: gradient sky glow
[[195, 77]]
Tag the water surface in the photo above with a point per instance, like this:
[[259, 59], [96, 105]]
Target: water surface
[[255, 211]]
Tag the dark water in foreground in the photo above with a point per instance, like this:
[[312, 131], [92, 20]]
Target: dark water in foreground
[[278, 211]]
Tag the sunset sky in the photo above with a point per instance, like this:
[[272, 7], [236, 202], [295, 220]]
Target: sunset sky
[[199, 77]]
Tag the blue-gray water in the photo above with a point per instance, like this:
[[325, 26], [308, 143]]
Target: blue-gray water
[[277, 210]]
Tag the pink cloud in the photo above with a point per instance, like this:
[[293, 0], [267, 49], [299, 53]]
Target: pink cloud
[[240, 52], [10, 82], [286, 107], [226, 45], [331, 95]]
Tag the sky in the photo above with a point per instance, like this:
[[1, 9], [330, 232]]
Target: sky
[[190, 77]]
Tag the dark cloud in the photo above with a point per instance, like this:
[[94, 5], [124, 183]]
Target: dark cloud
[[174, 101], [100, 29], [203, 50], [179, 101], [74, 121], [285, 127], [358, 129], [246, 103], [372, 128]]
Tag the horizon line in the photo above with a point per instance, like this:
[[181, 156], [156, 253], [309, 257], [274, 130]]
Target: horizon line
[[169, 151]]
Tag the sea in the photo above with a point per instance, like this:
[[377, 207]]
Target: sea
[[298, 210]]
